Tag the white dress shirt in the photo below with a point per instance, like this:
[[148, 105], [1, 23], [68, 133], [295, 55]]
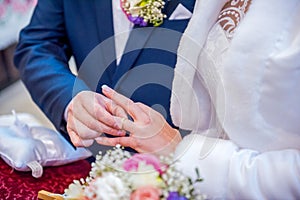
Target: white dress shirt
[[122, 28]]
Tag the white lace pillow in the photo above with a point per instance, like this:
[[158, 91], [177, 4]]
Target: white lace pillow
[[30, 148]]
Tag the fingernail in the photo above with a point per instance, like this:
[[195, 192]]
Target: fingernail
[[107, 89]]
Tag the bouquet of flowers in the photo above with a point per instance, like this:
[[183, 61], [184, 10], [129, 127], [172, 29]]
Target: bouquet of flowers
[[120, 175]]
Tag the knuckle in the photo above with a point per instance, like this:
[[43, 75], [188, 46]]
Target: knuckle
[[138, 104]]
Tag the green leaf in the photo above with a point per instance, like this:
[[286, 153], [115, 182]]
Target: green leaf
[[199, 179]]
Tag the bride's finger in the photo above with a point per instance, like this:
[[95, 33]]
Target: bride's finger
[[127, 104]]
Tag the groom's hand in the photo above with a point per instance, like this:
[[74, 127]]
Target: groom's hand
[[90, 114]]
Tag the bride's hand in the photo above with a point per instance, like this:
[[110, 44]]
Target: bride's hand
[[149, 131]]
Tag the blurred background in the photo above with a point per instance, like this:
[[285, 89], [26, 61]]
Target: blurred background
[[14, 15]]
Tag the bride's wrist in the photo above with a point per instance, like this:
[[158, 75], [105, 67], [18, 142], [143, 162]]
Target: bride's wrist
[[173, 138]]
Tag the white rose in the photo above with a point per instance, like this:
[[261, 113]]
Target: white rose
[[145, 175], [107, 187]]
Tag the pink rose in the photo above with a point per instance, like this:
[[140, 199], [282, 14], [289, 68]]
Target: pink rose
[[132, 163], [145, 193]]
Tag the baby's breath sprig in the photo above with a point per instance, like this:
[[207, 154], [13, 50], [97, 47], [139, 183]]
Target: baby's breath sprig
[[143, 12]]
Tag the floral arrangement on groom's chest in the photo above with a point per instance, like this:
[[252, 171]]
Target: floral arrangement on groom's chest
[[120, 175], [144, 12]]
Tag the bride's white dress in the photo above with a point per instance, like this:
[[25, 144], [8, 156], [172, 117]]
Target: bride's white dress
[[241, 99]]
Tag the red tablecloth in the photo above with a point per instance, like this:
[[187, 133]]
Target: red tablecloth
[[21, 185]]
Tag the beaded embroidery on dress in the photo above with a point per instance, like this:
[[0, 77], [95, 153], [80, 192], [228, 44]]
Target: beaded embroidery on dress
[[231, 15]]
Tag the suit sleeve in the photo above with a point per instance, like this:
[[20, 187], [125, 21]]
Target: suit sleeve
[[233, 173], [42, 57]]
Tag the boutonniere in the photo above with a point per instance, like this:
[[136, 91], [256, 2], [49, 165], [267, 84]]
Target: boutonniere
[[144, 12]]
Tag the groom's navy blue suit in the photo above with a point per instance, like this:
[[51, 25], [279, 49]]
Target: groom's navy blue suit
[[62, 28]]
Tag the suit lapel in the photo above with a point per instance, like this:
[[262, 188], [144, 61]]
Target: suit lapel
[[136, 41], [104, 18]]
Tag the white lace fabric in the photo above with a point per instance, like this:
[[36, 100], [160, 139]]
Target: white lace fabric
[[213, 54], [210, 74]]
